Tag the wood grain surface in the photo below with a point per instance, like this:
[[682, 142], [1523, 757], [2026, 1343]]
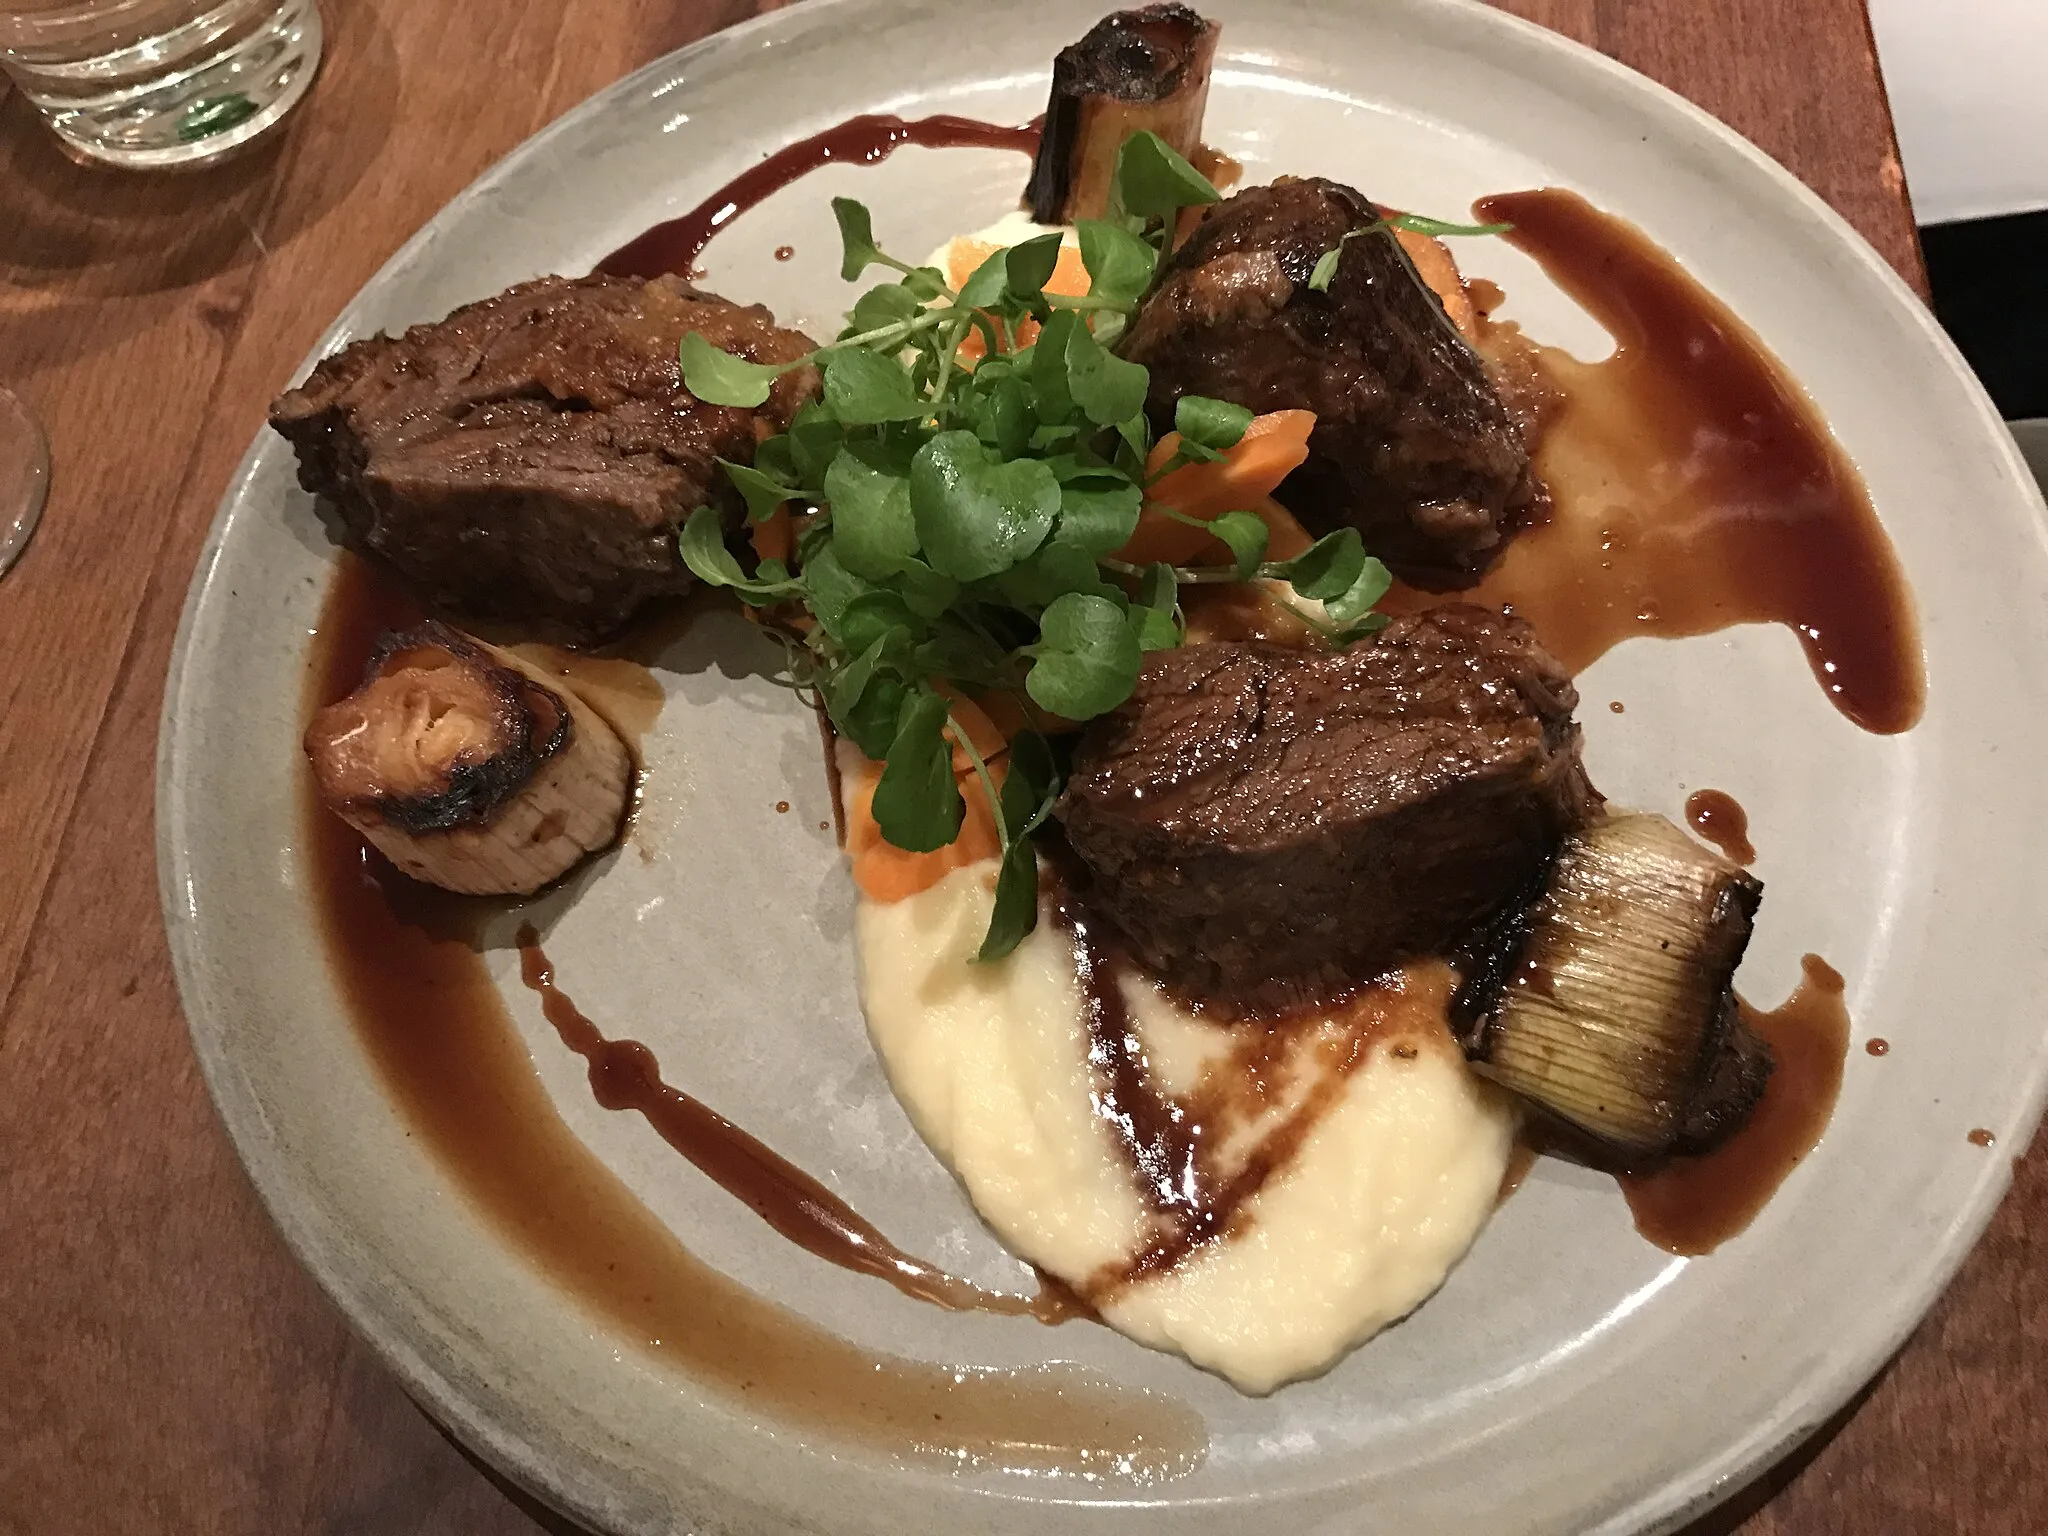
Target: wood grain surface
[[164, 1365]]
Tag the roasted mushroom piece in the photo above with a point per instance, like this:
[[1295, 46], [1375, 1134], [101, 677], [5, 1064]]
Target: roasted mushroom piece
[[468, 769], [1609, 1001], [1139, 70]]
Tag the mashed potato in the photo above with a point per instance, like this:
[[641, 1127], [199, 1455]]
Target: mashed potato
[[1386, 1154]]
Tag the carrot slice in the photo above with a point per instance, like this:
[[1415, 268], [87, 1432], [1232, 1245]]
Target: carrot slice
[[883, 872], [963, 255], [1272, 448], [775, 538]]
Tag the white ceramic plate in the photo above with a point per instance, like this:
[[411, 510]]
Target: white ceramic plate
[[1569, 1377]]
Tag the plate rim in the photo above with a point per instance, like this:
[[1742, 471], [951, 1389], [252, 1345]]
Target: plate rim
[[1861, 1353]]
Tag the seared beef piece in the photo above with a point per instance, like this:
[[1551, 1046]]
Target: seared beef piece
[[1411, 446], [1268, 825], [530, 457]]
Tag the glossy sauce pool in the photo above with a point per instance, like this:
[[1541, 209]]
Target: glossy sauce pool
[[1694, 485], [407, 963]]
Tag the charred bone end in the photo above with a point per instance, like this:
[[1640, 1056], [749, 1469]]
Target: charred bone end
[[1135, 70], [466, 768], [1608, 1001]]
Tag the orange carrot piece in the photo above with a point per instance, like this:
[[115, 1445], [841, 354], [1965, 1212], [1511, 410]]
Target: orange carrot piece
[[1069, 277], [1272, 448], [775, 539], [883, 872]]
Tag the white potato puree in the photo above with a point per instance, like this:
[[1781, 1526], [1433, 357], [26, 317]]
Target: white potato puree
[[1369, 1209]]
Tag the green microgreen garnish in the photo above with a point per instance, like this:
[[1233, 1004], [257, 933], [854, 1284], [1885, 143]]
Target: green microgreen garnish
[[966, 514], [1325, 269]]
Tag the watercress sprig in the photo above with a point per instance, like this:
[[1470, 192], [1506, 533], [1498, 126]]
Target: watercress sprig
[[963, 515]]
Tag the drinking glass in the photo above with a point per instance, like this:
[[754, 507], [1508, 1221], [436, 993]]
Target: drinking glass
[[24, 476], [149, 83]]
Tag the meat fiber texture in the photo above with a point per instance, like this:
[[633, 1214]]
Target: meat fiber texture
[[1412, 445], [530, 458], [1269, 826]]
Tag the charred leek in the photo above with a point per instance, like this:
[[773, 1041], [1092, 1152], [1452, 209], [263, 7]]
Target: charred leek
[[1609, 1002], [1135, 71], [467, 768]]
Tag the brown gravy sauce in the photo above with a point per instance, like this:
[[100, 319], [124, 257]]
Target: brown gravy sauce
[[1176, 1144], [674, 246], [407, 962], [624, 1075], [1692, 1205], [1877, 1045], [1717, 818], [1694, 485]]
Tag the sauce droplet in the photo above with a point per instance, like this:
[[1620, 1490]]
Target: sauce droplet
[[784, 252], [1981, 1137], [782, 807], [1617, 706], [1719, 820], [1878, 1046], [1692, 1205]]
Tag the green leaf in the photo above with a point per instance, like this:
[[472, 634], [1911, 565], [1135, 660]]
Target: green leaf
[[829, 587], [985, 285], [1049, 365], [1087, 658], [953, 650], [878, 615], [917, 803], [866, 702], [702, 544], [1057, 568], [1107, 388], [1099, 514], [1328, 568], [874, 533], [1421, 224], [1214, 424], [883, 305], [1030, 262], [719, 378], [976, 515], [1030, 787], [815, 439], [761, 493], [1156, 612], [1153, 180], [1325, 269], [925, 282], [856, 238], [1354, 605], [1015, 912], [1120, 265], [927, 592], [864, 388], [1003, 414], [1245, 533]]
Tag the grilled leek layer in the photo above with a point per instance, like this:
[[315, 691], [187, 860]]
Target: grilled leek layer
[[468, 768], [1609, 1002]]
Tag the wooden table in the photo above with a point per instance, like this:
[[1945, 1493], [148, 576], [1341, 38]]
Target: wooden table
[[164, 1365]]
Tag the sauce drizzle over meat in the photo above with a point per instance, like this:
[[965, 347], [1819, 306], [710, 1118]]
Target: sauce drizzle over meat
[[1692, 1205], [407, 963], [674, 246], [1694, 485], [1717, 818]]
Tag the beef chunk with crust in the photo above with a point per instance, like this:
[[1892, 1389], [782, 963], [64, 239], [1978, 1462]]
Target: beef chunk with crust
[[1412, 445], [530, 458], [1267, 825]]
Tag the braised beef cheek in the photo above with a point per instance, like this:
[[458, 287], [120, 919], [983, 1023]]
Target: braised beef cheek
[[1265, 824]]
